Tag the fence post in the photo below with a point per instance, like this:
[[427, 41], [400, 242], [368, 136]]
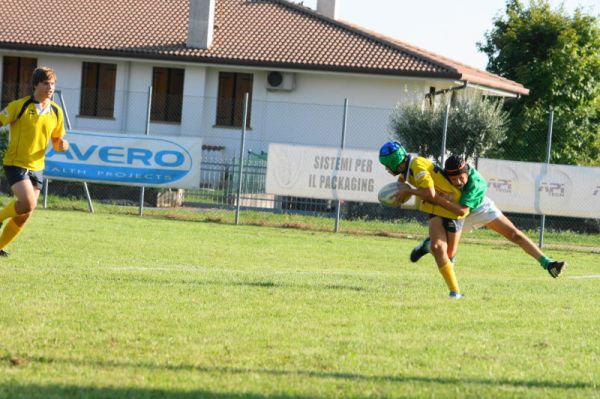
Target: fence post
[[445, 134], [548, 148], [147, 132], [242, 149], [85, 186], [45, 192], [338, 207]]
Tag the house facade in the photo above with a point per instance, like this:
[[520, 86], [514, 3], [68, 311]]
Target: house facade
[[182, 68]]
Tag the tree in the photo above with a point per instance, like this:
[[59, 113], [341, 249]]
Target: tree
[[556, 56], [476, 125]]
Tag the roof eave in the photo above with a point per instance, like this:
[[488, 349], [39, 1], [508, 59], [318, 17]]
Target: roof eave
[[118, 53], [506, 89]]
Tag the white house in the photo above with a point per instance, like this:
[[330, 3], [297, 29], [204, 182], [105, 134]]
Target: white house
[[201, 56]]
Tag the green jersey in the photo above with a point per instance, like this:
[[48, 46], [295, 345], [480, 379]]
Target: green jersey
[[473, 193]]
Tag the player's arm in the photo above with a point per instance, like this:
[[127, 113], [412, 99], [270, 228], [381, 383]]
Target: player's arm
[[430, 195], [58, 141], [59, 144], [425, 193], [426, 190], [458, 209], [6, 115]]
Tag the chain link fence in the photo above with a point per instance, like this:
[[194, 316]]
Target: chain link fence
[[269, 122]]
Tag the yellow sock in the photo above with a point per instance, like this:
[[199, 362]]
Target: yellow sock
[[9, 211], [10, 232], [447, 272]]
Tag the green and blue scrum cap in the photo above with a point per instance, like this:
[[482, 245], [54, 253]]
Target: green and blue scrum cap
[[391, 154]]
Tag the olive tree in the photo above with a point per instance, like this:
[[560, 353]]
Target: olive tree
[[476, 125]]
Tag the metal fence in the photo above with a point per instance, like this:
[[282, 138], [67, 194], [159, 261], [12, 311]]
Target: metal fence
[[269, 122]]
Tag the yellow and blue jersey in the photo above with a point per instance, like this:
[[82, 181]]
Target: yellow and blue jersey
[[422, 173], [30, 132]]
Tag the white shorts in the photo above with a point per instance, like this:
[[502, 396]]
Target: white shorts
[[482, 215]]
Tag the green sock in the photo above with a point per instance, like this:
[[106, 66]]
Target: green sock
[[545, 261]]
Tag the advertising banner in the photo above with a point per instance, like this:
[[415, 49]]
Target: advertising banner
[[325, 173], [124, 159], [538, 188]]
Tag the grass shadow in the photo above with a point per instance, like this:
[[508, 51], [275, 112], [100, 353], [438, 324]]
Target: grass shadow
[[339, 376], [239, 283], [53, 391]]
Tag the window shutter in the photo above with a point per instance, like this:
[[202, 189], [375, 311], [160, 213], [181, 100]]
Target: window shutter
[[107, 75], [89, 95], [16, 78]]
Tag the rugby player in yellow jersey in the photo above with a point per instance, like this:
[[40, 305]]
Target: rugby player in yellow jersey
[[427, 180], [33, 120], [483, 212]]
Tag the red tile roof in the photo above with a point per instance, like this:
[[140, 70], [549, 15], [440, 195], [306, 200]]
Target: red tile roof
[[266, 33]]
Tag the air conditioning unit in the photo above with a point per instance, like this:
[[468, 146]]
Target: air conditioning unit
[[281, 81]]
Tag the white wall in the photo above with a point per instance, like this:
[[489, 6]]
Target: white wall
[[313, 112], [310, 114]]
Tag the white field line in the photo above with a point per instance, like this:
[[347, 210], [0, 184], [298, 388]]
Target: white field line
[[177, 269], [584, 277]]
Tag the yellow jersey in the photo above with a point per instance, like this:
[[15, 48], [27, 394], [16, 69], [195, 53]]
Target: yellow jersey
[[30, 132], [422, 173]]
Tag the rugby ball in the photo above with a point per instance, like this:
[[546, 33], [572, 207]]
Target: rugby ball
[[386, 194]]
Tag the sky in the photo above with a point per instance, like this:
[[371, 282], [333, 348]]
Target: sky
[[447, 27]]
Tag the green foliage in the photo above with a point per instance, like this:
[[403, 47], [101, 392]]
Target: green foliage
[[418, 127], [556, 56], [4, 132], [475, 126], [4, 135]]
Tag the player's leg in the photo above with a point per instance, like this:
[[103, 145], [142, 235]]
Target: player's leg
[[453, 227], [21, 183], [506, 228], [27, 192], [454, 230], [439, 249], [420, 250], [424, 248], [13, 175], [8, 211], [477, 218]]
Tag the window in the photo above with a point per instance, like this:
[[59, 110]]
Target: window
[[98, 89], [16, 78], [230, 104], [167, 94]]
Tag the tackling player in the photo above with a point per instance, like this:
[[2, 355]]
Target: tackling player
[[33, 120], [483, 212], [428, 180]]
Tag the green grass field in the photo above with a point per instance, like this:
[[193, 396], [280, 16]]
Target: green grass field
[[117, 306]]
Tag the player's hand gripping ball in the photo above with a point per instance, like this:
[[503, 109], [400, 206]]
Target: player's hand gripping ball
[[387, 195]]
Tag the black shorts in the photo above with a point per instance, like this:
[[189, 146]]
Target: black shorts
[[15, 174], [451, 225]]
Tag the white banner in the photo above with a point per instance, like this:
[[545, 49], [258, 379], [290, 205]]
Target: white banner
[[325, 173], [124, 159], [538, 188]]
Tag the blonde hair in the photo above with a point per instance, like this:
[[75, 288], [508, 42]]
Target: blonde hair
[[42, 74]]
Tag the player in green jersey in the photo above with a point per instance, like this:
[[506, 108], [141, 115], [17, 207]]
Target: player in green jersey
[[483, 212]]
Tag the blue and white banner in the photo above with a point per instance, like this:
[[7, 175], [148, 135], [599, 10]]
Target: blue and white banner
[[130, 160]]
